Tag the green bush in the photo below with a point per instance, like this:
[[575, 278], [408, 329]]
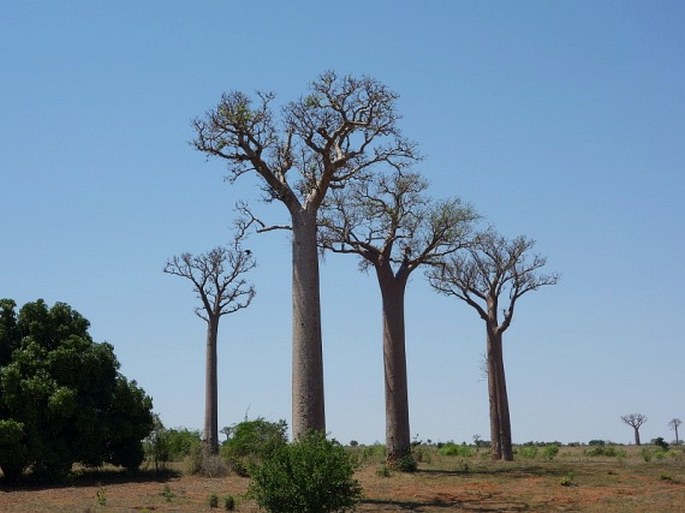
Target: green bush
[[609, 451], [452, 449], [213, 501], [660, 442], [646, 454], [311, 475], [406, 463], [549, 452], [528, 452], [250, 441], [182, 442]]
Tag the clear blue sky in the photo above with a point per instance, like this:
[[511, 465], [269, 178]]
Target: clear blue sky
[[563, 121]]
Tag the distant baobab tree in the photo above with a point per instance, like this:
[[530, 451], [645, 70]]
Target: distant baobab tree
[[217, 279], [674, 425], [635, 420]]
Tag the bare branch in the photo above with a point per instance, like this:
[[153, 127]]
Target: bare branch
[[216, 275], [249, 219], [492, 268]]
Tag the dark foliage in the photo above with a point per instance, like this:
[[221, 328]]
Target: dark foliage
[[62, 399]]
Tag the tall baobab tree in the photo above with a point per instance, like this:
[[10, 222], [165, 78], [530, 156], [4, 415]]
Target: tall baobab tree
[[344, 126], [217, 278], [390, 222], [635, 421], [491, 276], [674, 425]]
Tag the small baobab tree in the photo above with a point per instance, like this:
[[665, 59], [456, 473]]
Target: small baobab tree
[[491, 275], [217, 278], [673, 424], [344, 126], [635, 420], [390, 222]]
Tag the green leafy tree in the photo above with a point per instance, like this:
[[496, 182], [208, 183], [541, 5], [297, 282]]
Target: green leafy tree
[[250, 441], [62, 399], [311, 475]]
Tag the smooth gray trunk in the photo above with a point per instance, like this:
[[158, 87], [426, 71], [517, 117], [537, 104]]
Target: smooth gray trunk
[[500, 420], [211, 431], [397, 434], [637, 435], [307, 359], [495, 428]]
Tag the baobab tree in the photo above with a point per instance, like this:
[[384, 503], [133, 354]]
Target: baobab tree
[[341, 128], [391, 223], [635, 420], [491, 276], [217, 279], [674, 425]]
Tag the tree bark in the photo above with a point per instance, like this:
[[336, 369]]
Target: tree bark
[[637, 435], [307, 357], [397, 434], [211, 440], [495, 424], [503, 403], [500, 420]]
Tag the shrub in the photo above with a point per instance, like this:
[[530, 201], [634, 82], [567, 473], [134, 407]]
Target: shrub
[[250, 441], [383, 470], [213, 501], [229, 503], [568, 480], [452, 449], [660, 442], [528, 452], [182, 442], [646, 454], [608, 451], [549, 452], [406, 463], [311, 475]]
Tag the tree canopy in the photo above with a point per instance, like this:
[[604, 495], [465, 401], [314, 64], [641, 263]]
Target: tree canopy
[[62, 399]]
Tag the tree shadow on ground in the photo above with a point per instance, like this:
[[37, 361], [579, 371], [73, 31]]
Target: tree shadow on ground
[[518, 471], [92, 477], [483, 506]]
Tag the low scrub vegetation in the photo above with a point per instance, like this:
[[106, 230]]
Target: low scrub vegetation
[[311, 475]]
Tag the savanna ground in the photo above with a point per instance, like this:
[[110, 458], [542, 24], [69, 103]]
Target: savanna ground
[[571, 481]]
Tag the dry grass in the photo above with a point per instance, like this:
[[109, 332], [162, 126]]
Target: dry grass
[[570, 483]]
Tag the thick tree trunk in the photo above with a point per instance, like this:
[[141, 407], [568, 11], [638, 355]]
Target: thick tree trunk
[[503, 402], [677, 442], [495, 424], [211, 439], [500, 421], [637, 435], [397, 434], [307, 372]]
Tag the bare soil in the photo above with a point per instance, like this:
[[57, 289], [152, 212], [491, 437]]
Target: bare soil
[[570, 483]]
